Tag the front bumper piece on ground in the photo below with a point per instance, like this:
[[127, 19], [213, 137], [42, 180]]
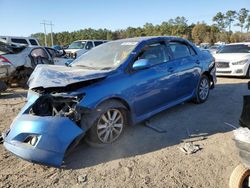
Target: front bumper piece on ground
[[53, 137]]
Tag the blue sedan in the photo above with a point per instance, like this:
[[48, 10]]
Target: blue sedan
[[116, 84]]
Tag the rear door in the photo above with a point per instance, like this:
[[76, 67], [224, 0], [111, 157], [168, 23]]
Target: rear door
[[188, 68]]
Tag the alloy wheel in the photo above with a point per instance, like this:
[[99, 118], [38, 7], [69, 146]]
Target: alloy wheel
[[203, 89], [110, 125]]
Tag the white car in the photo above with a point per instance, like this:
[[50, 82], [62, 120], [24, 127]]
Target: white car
[[17, 63], [27, 41], [79, 47], [233, 60]]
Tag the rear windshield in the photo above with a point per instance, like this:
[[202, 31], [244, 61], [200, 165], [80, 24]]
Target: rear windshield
[[7, 49], [237, 48]]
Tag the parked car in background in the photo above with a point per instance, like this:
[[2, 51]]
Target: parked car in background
[[116, 84], [28, 41], [233, 60], [79, 47], [213, 49], [17, 63], [6, 67], [57, 47]]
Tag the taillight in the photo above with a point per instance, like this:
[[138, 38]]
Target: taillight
[[4, 60]]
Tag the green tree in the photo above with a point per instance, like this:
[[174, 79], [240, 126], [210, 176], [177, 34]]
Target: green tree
[[241, 17], [230, 17], [199, 33], [219, 19], [248, 23]]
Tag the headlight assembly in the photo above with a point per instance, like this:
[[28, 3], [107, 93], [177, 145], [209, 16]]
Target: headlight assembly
[[242, 62]]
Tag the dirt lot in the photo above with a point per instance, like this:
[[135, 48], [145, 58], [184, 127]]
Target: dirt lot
[[142, 157]]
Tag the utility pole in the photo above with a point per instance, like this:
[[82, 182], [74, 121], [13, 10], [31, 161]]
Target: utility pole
[[51, 31], [45, 37], [51, 34]]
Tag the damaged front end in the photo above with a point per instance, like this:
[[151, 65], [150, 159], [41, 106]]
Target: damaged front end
[[49, 123], [45, 128]]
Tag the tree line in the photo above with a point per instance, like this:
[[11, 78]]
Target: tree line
[[200, 32]]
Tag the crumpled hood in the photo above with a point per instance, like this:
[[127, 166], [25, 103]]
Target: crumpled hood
[[231, 57], [48, 76]]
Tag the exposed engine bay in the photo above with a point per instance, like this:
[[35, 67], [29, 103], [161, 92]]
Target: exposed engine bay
[[48, 105]]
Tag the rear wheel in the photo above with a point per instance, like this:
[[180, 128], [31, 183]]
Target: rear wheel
[[248, 73], [106, 123], [202, 90], [240, 177], [3, 86]]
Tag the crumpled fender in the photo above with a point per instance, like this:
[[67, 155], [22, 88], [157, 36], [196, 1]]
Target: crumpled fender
[[55, 134]]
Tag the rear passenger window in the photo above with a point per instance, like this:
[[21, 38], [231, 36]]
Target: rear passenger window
[[89, 45], [97, 43], [19, 41], [155, 53], [33, 42], [179, 50]]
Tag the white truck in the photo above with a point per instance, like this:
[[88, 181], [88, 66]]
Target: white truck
[[79, 47], [27, 41]]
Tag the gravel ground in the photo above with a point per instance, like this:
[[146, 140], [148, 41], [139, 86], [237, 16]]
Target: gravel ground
[[142, 157]]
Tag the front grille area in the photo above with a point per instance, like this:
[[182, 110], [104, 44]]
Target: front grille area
[[222, 64], [224, 72], [71, 55]]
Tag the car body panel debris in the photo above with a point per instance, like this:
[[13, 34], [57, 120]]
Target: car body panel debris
[[189, 148]]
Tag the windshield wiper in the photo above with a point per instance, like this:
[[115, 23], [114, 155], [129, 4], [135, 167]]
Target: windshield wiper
[[87, 67], [106, 68]]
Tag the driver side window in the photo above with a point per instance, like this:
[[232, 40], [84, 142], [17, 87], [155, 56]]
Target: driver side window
[[155, 53]]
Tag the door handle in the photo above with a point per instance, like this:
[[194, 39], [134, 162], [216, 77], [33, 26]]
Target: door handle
[[197, 62]]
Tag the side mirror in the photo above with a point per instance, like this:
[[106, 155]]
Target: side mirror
[[141, 64]]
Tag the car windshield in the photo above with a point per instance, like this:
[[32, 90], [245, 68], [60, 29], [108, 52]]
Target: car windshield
[[239, 48], [106, 56], [77, 45]]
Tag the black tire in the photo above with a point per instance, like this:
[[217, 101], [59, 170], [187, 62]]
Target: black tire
[[91, 121], [199, 98], [3, 86], [239, 177], [248, 73]]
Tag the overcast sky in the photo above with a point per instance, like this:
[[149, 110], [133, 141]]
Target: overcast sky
[[23, 17]]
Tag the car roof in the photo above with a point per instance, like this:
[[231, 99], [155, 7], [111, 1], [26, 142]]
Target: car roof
[[239, 43], [89, 40], [140, 39]]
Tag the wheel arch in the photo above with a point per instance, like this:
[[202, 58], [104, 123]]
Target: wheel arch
[[210, 77], [118, 99]]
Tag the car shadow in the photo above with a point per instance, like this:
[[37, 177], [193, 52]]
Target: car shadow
[[178, 123]]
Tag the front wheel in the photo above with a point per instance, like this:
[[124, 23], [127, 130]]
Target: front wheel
[[202, 90], [240, 177], [107, 123]]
